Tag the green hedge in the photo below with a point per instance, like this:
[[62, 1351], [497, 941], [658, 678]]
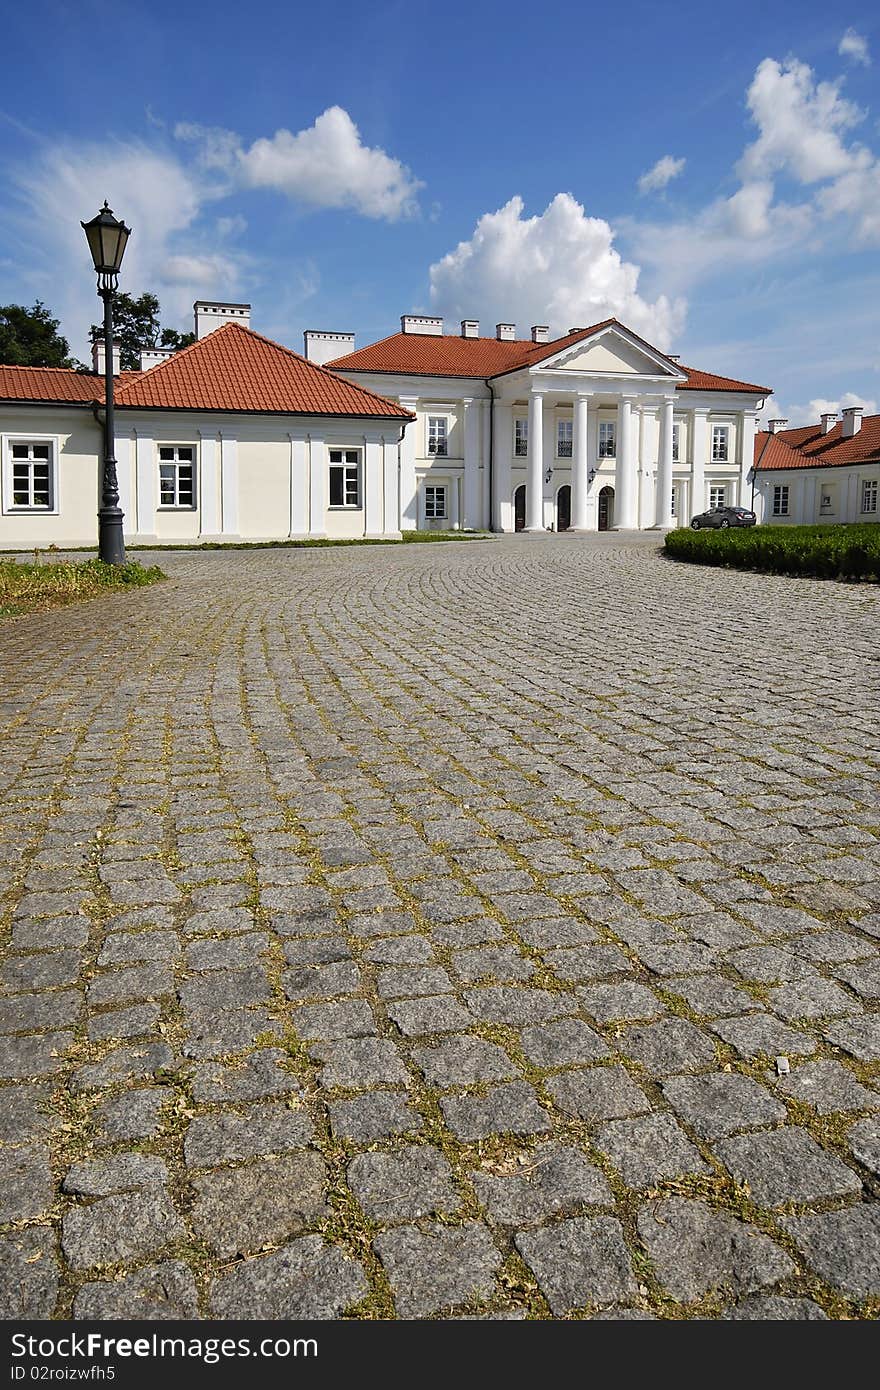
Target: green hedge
[[826, 552]]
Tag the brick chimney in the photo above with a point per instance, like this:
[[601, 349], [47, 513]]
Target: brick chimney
[[98, 353], [852, 420], [829, 420], [505, 332], [151, 357], [210, 314], [774, 426], [540, 333], [421, 323], [470, 328], [323, 345]]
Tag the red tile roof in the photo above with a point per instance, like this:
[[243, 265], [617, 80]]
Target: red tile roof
[[235, 369], [425, 354], [232, 369], [53, 384], [807, 447], [708, 381]]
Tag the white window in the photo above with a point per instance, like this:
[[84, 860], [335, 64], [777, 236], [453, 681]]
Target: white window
[[564, 437], [826, 503], [435, 503], [869, 495], [676, 446], [607, 439], [673, 509], [521, 437], [718, 495], [177, 475], [30, 475], [345, 477], [437, 435], [780, 500], [720, 442]]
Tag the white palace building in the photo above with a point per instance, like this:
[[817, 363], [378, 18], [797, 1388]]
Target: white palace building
[[237, 438]]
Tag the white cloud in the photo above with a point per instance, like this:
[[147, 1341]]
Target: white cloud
[[326, 165], [800, 123], [218, 273], [662, 173], [803, 137], [149, 188], [855, 46], [559, 268], [809, 414]]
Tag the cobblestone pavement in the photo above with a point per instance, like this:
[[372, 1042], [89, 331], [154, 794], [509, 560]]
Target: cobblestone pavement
[[413, 931]]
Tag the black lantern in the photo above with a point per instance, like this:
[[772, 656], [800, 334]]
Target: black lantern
[[107, 238]]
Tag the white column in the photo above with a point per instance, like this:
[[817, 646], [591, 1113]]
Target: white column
[[485, 445], [580, 471], [625, 480], [299, 488], [647, 452], [122, 449], [146, 469], [471, 498], [663, 498], [209, 490], [747, 457], [372, 480], [409, 519], [454, 514], [700, 440], [391, 487], [502, 446], [535, 464], [317, 456], [229, 484]]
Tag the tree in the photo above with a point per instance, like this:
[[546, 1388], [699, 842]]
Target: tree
[[136, 325], [30, 337]]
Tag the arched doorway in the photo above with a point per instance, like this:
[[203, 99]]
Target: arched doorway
[[563, 508], [606, 509], [519, 508]]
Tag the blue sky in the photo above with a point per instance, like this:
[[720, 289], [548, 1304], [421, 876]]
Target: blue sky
[[710, 176]]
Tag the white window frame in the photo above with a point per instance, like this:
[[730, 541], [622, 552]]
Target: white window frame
[[870, 490], [521, 437], [564, 428], [608, 428], [676, 441], [433, 514], [781, 499], [673, 506], [348, 465], [10, 507], [177, 463], [720, 433], [716, 488], [829, 508], [440, 437]]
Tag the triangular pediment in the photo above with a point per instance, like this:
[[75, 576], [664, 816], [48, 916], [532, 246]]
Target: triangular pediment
[[614, 351]]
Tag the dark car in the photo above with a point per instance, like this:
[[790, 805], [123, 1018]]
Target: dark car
[[724, 517]]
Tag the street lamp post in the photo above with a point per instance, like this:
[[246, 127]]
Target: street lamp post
[[107, 240]]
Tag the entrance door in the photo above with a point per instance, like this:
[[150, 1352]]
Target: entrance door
[[606, 509], [519, 508], [563, 508]]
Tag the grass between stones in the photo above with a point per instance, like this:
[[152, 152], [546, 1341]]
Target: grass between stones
[[33, 588]]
